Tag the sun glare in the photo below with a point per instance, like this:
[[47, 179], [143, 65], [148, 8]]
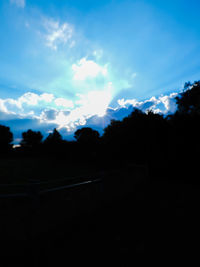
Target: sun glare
[[98, 102], [95, 103]]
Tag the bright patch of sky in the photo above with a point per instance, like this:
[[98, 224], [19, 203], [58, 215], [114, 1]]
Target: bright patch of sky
[[18, 3], [64, 62]]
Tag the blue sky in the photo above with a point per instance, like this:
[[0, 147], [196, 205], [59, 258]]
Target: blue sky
[[69, 63]]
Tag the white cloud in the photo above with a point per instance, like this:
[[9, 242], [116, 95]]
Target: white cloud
[[64, 103], [33, 99], [8, 109], [58, 33], [18, 3], [2, 106], [29, 99], [49, 110], [47, 97], [123, 103], [88, 69], [12, 105], [168, 102], [94, 103], [143, 105], [21, 106]]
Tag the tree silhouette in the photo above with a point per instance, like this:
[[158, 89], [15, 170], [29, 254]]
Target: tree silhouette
[[6, 138], [87, 136], [138, 137], [184, 144], [54, 142], [189, 99], [31, 139], [53, 138], [187, 118], [87, 143], [126, 139]]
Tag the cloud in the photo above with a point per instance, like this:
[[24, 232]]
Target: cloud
[[91, 109], [33, 99], [163, 104], [48, 115], [169, 102], [57, 33], [2, 106], [88, 69], [9, 107], [47, 97], [59, 111], [29, 99], [26, 104], [64, 103], [18, 3], [93, 103], [143, 105]]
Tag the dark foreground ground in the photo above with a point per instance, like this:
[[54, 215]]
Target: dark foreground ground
[[155, 221]]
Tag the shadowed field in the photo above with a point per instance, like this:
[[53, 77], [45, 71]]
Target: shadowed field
[[116, 224], [15, 170]]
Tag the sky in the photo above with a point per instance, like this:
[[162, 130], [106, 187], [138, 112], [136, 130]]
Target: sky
[[68, 64]]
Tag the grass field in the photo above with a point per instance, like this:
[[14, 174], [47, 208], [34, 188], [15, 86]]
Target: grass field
[[50, 172], [41, 169]]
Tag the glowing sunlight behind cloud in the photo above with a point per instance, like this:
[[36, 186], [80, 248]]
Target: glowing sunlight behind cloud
[[88, 69], [91, 104], [95, 102], [65, 62], [64, 103]]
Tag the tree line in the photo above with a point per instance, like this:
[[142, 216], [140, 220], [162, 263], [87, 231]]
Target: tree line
[[146, 138]]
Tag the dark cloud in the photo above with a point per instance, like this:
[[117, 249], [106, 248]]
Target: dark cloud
[[49, 114]]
